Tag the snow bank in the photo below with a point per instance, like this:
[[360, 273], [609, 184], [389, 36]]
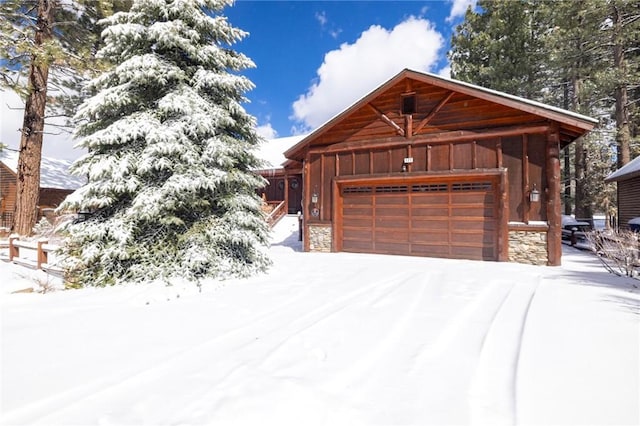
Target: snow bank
[[331, 339]]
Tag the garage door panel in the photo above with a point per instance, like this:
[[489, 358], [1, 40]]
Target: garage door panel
[[358, 222], [473, 212], [473, 253], [392, 247], [433, 223], [451, 220], [478, 238], [438, 237], [392, 235], [430, 250], [358, 246], [394, 211], [475, 225], [359, 199], [400, 200], [472, 198], [430, 199], [357, 233], [392, 222], [429, 211], [357, 211]]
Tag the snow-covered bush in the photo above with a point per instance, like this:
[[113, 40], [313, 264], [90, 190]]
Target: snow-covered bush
[[170, 153]]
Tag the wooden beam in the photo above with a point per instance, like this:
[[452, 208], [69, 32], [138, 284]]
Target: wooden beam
[[434, 138], [387, 120], [433, 112]]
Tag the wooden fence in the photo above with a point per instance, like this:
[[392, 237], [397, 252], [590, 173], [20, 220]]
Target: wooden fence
[[32, 254]]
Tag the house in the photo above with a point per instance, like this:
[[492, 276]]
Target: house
[[284, 184], [430, 166], [55, 184], [628, 181]]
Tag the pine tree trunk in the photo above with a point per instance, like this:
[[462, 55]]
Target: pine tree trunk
[[28, 182], [623, 133]]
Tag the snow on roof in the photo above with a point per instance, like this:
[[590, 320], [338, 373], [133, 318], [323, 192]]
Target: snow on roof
[[272, 151], [53, 173], [629, 170]]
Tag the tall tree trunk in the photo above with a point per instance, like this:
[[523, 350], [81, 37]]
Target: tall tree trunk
[[623, 133], [566, 158], [28, 184], [582, 210]]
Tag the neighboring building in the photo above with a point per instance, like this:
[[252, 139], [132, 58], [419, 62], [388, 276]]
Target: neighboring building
[[429, 166], [284, 184], [628, 181], [55, 184]]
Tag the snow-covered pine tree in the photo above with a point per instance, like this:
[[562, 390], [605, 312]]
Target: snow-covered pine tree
[[170, 153]]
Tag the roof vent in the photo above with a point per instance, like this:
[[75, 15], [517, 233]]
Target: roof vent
[[408, 103]]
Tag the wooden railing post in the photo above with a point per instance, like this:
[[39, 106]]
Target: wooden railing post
[[14, 251], [42, 254]]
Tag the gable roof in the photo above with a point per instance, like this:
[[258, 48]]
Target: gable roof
[[272, 150], [572, 125], [628, 171], [53, 173]]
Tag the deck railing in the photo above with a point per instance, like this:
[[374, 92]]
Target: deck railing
[[277, 212]]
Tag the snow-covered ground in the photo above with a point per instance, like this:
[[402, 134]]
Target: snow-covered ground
[[330, 339]]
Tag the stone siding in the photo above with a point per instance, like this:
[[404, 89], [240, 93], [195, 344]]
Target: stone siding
[[320, 238], [528, 247]]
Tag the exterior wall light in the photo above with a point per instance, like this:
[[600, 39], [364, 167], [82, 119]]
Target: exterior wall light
[[534, 195]]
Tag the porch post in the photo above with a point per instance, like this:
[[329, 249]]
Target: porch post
[[554, 218]]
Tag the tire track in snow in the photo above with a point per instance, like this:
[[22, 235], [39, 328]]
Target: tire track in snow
[[54, 408], [354, 372], [492, 394], [367, 295]]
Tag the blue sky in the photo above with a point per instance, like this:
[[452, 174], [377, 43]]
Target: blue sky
[[313, 59]]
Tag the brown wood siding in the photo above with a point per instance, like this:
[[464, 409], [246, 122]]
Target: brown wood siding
[[537, 170], [274, 191], [628, 201], [7, 195], [51, 197], [509, 152], [512, 161]]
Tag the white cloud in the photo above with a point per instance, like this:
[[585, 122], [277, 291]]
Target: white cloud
[[267, 131], [321, 17], [57, 143], [446, 71], [459, 8], [353, 70]]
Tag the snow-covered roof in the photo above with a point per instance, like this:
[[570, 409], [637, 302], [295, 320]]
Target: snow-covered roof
[[53, 173], [628, 171], [272, 151]]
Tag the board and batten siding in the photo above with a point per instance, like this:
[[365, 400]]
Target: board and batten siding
[[628, 201], [523, 158]]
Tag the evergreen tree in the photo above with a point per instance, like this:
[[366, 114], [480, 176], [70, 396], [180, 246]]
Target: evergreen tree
[[501, 47], [37, 36], [171, 153]]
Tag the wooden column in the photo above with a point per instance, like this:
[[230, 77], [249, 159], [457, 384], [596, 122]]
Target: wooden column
[[554, 218], [306, 187], [286, 192]]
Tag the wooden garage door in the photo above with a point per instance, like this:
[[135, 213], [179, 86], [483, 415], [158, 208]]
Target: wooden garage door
[[453, 219]]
